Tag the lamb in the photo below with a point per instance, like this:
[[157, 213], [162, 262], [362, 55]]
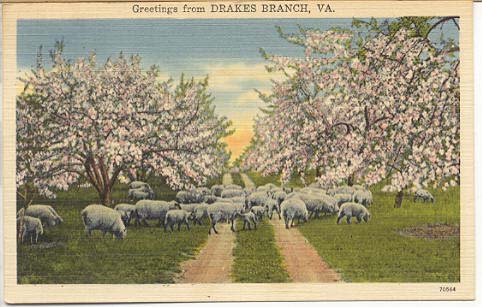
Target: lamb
[[249, 219], [220, 211], [31, 226], [273, 205], [259, 211], [217, 189], [178, 217], [424, 195], [353, 210], [230, 193], [104, 219], [258, 198], [343, 198], [363, 197], [200, 213], [45, 213], [127, 212], [153, 209], [137, 184], [293, 208]]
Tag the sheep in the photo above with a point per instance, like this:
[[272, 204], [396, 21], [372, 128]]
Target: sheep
[[45, 213], [189, 207], [258, 198], [249, 219], [293, 208], [233, 187], [343, 198], [318, 204], [237, 200], [153, 209], [267, 187], [279, 196], [220, 211], [137, 184], [209, 199], [273, 205], [203, 191], [188, 197], [127, 212], [217, 189], [178, 217], [230, 193], [424, 195], [358, 187], [29, 226], [341, 190], [259, 211], [104, 219], [363, 197], [200, 212], [139, 194], [353, 210], [315, 185]]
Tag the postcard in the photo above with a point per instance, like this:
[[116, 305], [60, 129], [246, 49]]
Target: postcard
[[238, 151]]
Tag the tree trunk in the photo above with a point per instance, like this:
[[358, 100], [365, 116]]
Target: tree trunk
[[351, 180], [398, 199], [317, 172], [105, 198]]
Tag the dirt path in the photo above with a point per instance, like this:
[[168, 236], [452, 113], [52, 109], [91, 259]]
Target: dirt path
[[248, 183], [302, 261], [227, 179], [213, 264]]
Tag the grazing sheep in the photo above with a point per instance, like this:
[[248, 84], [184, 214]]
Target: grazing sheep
[[318, 204], [343, 198], [200, 213], [209, 199], [424, 195], [127, 212], [341, 190], [363, 197], [153, 209], [104, 219], [189, 207], [273, 205], [279, 196], [353, 210], [137, 184], [45, 213], [257, 198], [249, 219], [31, 226], [293, 208], [204, 191], [189, 197], [230, 193], [178, 217], [224, 211], [217, 189], [233, 187], [259, 211], [139, 194]]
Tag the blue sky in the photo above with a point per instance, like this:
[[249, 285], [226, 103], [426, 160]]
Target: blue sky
[[225, 49]]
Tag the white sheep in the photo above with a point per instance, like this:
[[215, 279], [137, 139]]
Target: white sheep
[[204, 191], [223, 211], [363, 197], [189, 207], [233, 187], [217, 189], [153, 209], [424, 195], [189, 197], [45, 213], [273, 205], [137, 184], [249, 218], [31, 226], [230, 193], [293, 208], [343, 198], [316, 204], [178, 217], [138, 194], [104, 219], [257, 198], [127, 212], [353, 210], [200, 213], [209, 199]]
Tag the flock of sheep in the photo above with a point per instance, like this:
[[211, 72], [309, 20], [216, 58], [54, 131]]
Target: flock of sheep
[[220, 203]]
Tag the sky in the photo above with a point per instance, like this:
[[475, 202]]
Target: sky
[[227, 50]]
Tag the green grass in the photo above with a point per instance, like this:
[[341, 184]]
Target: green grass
[[257, 258], [66, 255], [376, 252]]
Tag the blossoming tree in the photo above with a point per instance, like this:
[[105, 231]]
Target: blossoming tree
[[77, 122], [373, 107]]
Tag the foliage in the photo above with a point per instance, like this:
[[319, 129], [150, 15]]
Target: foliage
[[80, 123]]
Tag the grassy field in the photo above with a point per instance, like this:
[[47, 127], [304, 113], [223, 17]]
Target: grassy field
[[237, 179], [377, 252], [66, 255]]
